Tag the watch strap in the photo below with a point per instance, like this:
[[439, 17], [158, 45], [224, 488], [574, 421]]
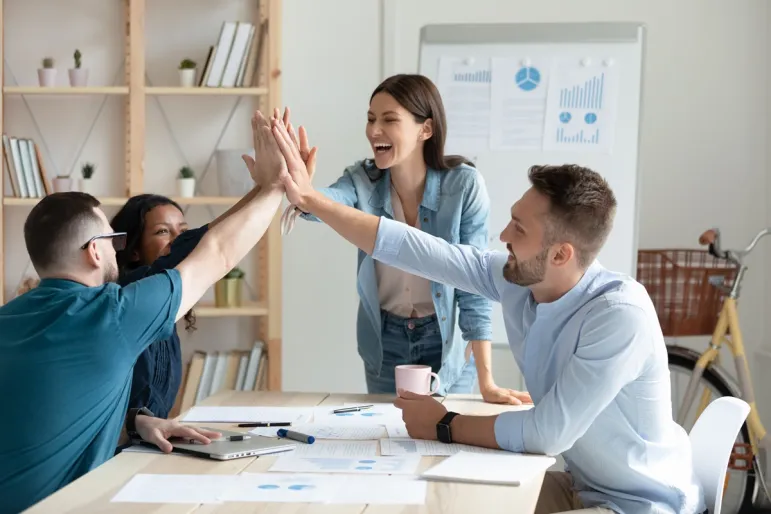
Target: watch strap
[[443, 431], [131, 420]]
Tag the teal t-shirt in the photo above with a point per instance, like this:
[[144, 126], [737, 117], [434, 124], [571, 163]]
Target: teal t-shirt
[[66, 357]]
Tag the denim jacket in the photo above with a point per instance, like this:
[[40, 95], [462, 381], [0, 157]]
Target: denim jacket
[[455, 207]]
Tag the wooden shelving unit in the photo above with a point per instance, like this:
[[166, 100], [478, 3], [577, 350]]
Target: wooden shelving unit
[[266, 310]]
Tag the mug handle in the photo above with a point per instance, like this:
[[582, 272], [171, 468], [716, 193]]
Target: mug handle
[[436, 380]]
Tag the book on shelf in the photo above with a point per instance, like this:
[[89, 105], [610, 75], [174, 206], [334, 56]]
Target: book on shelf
[[25, 168], [209, 373], [232, 61]]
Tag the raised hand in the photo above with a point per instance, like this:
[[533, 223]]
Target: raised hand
[[307, 153], [296, 179], [270, 165]]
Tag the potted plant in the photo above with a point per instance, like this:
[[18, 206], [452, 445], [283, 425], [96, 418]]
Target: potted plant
[[47, 74], [186, 182], [187, 70], [86, 184], [227, 290], [62, 184], [78, 75]]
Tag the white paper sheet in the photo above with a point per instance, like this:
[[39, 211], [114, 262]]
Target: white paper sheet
[[397, 465], [248, 414], [274, 487], [518, 103], [147, 488], [465, 88], [428, 448], [379, 414], [336, 449], [374, 432], [511, 469], [397, 431], [382, 490], [330, 489], [581, 106]]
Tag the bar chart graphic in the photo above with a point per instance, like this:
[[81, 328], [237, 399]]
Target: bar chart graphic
[[588, 95], [591, 137], [479, 76]]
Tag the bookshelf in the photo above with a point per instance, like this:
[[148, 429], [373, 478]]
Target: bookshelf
[[264, 95]]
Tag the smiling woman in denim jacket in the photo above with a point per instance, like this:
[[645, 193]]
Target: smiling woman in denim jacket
[[404, 319]]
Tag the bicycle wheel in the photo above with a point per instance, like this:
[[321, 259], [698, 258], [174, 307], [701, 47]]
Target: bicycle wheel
[[741, 489]]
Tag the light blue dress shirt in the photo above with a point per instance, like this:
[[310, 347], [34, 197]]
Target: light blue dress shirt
[[595, 364]]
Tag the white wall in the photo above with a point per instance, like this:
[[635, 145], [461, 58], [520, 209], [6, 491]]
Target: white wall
[[703, 156]]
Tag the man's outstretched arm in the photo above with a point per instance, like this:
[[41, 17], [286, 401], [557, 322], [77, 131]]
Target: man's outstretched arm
[[388, 241]]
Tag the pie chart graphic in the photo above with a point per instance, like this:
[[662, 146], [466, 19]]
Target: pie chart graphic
[[590, 118], [565, 117], [527, 78]]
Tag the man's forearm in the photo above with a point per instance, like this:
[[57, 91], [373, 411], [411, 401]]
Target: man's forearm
[[358, 227], [225, 245], [474, 430], [235, 235], [248, 197]]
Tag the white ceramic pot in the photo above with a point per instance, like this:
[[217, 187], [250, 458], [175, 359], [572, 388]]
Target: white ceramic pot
[[62, 184], [46, 77], [187, 77], [87, 186], [186, 187], [78, 77]]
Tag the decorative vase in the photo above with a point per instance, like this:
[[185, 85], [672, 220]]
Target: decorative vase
[[87, 186], [186, 187], [187, 77], [227, 292], [62, 184], [78, 77], [46, 77]]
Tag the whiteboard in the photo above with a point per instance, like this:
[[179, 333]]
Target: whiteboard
[[505, 172]]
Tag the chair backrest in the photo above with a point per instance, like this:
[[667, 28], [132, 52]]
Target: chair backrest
[[712, 440]]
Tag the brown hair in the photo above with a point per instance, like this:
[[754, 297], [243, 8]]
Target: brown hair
[[54, 224], [582, 207], [421, 98]]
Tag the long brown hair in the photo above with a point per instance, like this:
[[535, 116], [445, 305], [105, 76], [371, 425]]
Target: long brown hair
[[418, 95]]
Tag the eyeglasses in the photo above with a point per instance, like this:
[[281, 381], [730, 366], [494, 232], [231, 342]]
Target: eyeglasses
[[118, 240]]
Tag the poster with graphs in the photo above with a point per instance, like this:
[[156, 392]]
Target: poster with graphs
[[518, 103], [582, 105], [465, 88]]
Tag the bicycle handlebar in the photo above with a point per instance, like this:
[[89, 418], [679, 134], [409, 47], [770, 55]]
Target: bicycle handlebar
[[711, 237]]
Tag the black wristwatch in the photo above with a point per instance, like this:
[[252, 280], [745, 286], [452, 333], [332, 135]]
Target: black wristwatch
[[131, 421], [443, 432]]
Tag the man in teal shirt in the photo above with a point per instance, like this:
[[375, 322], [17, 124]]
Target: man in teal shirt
[[68, 347]]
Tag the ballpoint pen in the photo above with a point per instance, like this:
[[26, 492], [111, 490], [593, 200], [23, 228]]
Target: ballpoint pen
[[266, 424], [351, 409]]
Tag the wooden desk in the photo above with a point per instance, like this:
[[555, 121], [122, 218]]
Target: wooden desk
[[93, 492]]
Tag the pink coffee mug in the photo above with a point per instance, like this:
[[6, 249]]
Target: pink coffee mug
[[416, 378]]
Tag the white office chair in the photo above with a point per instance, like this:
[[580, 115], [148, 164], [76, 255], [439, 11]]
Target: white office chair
[[712, 440]]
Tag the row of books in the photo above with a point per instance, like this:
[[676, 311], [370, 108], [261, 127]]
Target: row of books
[[211, 372], [232, 62], [25, 168]]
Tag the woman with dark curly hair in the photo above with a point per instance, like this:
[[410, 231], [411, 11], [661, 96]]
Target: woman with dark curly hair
[[158, 238]]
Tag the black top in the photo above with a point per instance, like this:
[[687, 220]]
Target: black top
[[157, 373]]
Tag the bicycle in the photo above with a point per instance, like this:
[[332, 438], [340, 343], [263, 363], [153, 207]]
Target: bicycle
[[701, 299]]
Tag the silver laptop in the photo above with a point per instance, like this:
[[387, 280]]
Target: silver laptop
[[226, 450]]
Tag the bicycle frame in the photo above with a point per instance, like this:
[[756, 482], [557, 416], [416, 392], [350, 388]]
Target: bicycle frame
[[728, 323]]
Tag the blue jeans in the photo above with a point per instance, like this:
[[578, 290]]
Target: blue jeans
[[414, 341]]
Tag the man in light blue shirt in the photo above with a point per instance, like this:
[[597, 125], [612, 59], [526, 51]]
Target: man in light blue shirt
[[588, 341]]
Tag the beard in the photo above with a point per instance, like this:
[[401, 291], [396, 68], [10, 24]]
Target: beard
[[110, 273], [525, 273]]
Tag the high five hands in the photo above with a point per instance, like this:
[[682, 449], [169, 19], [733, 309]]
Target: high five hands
[[283, 158]]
